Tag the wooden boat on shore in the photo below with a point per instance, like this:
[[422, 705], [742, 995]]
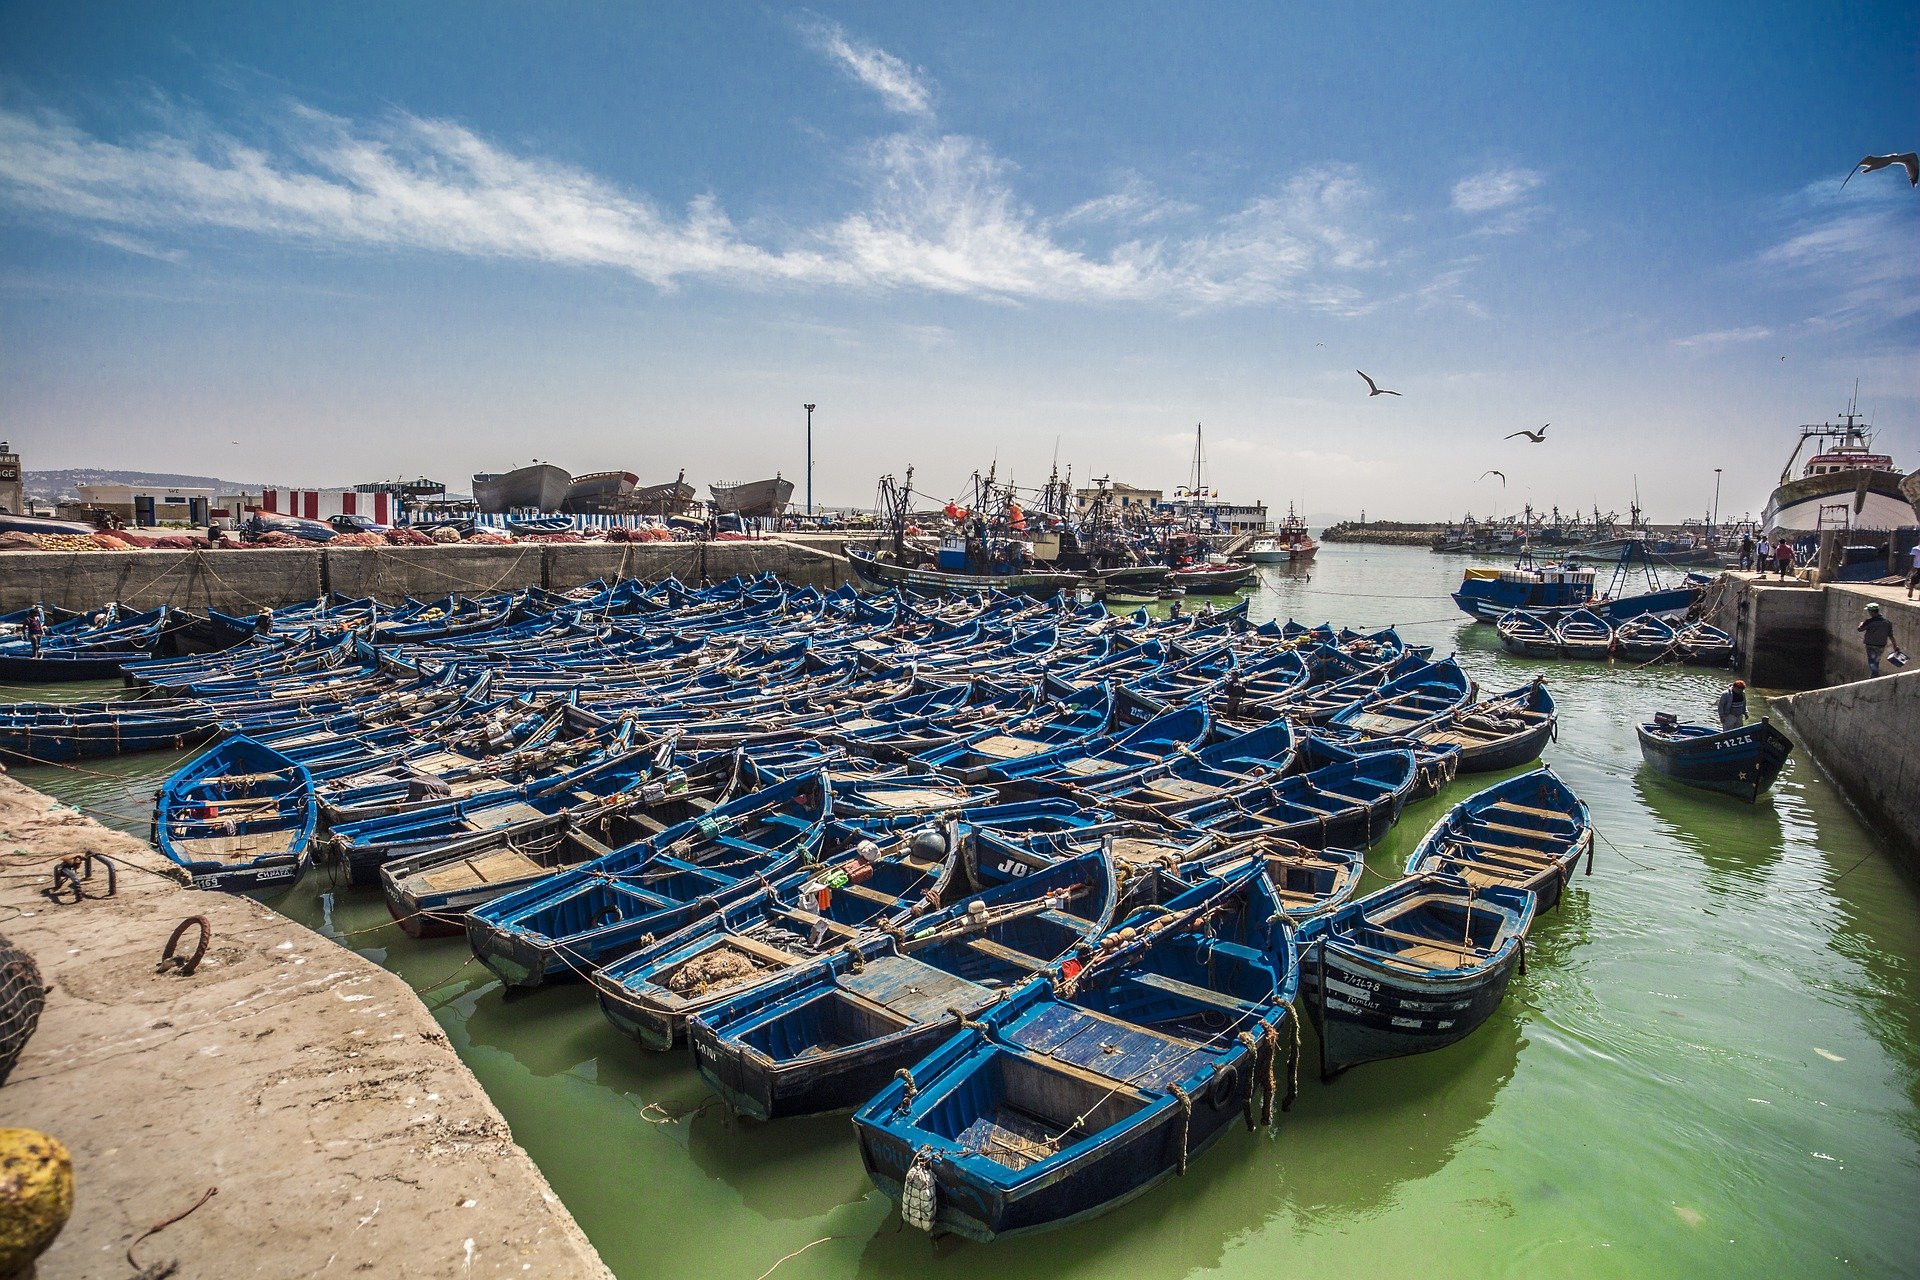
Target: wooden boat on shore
[[1528, 832], [753, 499], [1740, 762], [1411, 968], [1084, 1088], [540, 487], [829, 1035], [236, 818]]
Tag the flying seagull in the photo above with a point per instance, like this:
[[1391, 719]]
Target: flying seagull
[[1535, 436], [1501, 474], [1374, 389], [1868, 164]]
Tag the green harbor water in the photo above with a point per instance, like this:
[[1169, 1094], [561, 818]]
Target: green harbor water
[[1712, 1067]]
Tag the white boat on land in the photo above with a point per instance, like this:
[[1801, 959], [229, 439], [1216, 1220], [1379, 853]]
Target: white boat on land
[[1845, 485]]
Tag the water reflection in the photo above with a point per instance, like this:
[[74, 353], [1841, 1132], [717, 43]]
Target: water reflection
[[1738, 843]]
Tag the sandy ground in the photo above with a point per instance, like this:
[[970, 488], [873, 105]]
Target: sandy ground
[[306, 1083]]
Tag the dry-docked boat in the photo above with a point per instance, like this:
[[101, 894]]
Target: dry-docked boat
[[540, 487], [598, 492], [752, 498], [1845, 484]]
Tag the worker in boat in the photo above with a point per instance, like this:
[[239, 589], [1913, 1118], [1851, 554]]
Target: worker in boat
[[1733, 706], [36, 628], [1878, 634], [263, 621], [1236, 691]]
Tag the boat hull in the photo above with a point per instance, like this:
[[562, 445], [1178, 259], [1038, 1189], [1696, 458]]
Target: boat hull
[[1794, 507], [1740, 762], [880, 574], [542, 487], [1368, 1011], [754, 499]]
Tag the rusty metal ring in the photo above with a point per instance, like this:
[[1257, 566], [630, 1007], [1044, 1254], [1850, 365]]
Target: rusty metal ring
[[188, 965]]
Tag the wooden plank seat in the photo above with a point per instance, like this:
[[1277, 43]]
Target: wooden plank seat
[[1197, 994], [1535, 832], [1005, 747], [487, 868], [1531, 812], [988, 947]]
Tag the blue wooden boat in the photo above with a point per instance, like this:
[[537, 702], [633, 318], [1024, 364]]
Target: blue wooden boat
[[1705, 646], [1078, 720], [1110, 756], [1504, 731], [1487, 594], [1086, 1087], [1528, 635], [1406, 706], [1349, 804], [1304, 882], [1413, 967], [828, 1035], [575, 921], [1646, 639], [238, 817], [1349, 683], [1528, 832], [1741, 762], [1585, 634], [57, 732], [869, 884], [1232, 766], [1435, 764]]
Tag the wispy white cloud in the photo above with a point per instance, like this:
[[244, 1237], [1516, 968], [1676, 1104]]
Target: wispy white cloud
[[1724, 337], [900, 86], [1494, 189], [942, 214], [1853, 254], [1136, 204]]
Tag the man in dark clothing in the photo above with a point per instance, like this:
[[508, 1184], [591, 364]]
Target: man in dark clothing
[[1236, 692], [1878, 633], [1746, 551], [1733, 706], [1782, 558], [36, 629]]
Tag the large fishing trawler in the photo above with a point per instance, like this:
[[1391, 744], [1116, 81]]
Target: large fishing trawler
[[1844, 485]]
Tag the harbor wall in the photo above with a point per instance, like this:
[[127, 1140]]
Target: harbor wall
[[1779, 630], [1846, 652], [310, 1088], [1863, 734], [242, 581]]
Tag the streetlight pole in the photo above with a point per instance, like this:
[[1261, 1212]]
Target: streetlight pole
[[1716, 499], [809, 408]]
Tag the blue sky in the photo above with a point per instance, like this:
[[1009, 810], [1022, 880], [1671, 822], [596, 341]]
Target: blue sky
[[325, 243]]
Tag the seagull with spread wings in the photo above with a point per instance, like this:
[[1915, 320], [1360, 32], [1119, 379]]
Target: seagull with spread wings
[[1373, 388], [1535, 436], [1909, 160], [1501, 474]]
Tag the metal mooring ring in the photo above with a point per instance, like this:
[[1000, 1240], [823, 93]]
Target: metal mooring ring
[[192, 962]]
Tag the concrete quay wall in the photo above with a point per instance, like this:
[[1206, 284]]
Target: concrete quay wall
[[242, 581], [1864, 734], [1779, 630], [307, 1085]]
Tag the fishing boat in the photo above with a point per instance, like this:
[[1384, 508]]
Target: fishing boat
[[1212, 579], [873, 883], [1487, 594], [1305, 883], [1647, 639], [1528, 635], [1844, 484], [1349, 804], [752, 498], [59, 732], [1585, 634], [1528, 832], [1410, 968], [1410, 704], [598, 492], [1232, 766], [878, 570], [828, 1035], [1289, 543], [1705, 646], [1741, 762], [663, 501], [977, 756], [540, 487], [578, 920], [236, 818], [1086, 1087], [1504, 731]]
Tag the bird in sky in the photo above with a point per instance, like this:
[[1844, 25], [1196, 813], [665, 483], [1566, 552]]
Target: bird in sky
[[1910, 160], [1535, 436], [1501, 474], [1374, 389]]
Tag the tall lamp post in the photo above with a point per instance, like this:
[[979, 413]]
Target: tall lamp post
[[809, 408], [1716, 499]]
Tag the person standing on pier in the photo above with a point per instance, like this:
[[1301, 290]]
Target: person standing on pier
[[1733, 706], [1762, 553], [1913, 574], [1746, 551], [1878, 633], [1782, 558]]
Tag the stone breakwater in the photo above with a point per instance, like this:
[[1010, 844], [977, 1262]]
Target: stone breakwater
[[1383, 533], [307, 1084], [242, 581]]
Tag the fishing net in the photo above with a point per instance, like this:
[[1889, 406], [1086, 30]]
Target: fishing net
[[22, 996], [715, 969]]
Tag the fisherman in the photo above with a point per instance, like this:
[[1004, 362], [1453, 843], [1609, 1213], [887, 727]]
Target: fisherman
[[1762, 554], [1878, 634], [1783, 557], [1175, 611], [1746, 551], [36, 628], [1236, 690], [1733, 706], [1913, 574], [263, 621]]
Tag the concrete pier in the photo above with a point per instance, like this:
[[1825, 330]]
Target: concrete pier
[[1867, 735], [237, 580], [308, 1085]]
